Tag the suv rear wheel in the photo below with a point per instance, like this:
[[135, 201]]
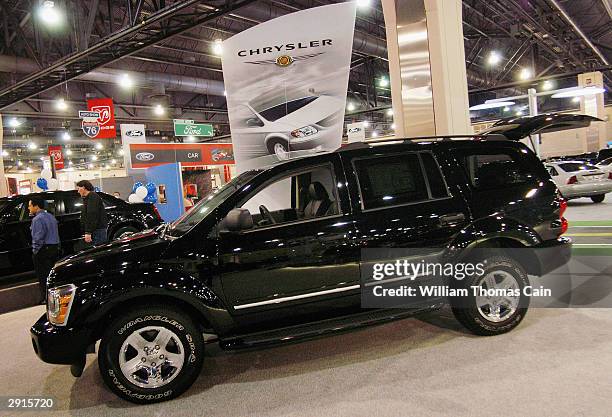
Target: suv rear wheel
[[599, 198], [488, 316], [151, 354], [124, 231]]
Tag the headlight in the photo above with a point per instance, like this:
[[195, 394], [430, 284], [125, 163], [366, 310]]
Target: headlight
[[304, 131], [59, 301]]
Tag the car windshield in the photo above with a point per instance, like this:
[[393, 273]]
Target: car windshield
[[577, 166], [207, 204], [272, 114]]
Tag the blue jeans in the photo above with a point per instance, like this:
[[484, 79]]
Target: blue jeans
[[99, 237]]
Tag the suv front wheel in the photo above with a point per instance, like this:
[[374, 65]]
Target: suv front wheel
[[151, 354], [492, 315]]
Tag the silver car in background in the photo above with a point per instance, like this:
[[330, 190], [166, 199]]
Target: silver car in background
[[577, 179]]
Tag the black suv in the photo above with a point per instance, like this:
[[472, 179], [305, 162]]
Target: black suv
[[275, 255], [15, 221]]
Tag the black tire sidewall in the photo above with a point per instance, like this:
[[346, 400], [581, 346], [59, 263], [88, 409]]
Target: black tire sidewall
[[121, 328], [598, 198], [274, 142], [467, 311], [123, 229]]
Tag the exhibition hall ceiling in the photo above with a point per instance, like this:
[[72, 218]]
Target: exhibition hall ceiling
[[102, 48]]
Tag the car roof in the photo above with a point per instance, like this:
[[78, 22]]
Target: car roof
[[44, 193]]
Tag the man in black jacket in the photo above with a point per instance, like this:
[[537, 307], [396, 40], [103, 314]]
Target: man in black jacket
[[93, 216]]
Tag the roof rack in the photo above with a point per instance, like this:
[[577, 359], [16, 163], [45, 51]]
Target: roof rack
[[441, 138]]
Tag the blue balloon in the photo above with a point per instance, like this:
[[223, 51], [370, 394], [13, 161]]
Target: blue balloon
[[42, 184], [151, 188], [136, 185], [150, 199]]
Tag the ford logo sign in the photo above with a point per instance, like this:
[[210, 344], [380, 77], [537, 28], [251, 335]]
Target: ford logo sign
[[145, 156], [354, 130], [134, 133]]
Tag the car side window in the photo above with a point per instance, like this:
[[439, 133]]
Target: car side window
[[437, 185], [17, 213], [390, 180], [552, 171], [494, 170], [301, 196], [73, 203]]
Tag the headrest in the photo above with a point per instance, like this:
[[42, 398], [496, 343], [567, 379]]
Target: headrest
[[316, 191], [238, 219]]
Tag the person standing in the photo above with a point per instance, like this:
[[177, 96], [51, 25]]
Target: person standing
[[45, 243], [93, 215]]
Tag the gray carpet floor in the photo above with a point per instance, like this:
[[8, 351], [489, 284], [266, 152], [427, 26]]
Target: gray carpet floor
[[557, 363]]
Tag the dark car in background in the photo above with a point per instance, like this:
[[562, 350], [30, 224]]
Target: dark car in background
[[15, 221]]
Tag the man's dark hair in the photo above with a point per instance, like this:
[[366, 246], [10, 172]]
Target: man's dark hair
[[85, 184], [38, 202]]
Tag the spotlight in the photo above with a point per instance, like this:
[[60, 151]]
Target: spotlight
[[389, 112], [350, 107], [576, 100], [547, 85], [121, 152], [383, 82], [218, 47], [32, 146], [374, 134], [61, 104], [506, 108], [113, 161], [14, 122], [90, 166], [125, 81], [366, 123], [494, 58], [363, 3], [519, 113], [66, 136], [4, 153], [191, 139], [19, 163], [68, 152], [525, 74], [99, 146], [159, 110], [393, 126], [94, 157], [49, 14]]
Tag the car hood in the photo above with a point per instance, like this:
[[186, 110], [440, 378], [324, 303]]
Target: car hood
[[132, 250], [517, 128]]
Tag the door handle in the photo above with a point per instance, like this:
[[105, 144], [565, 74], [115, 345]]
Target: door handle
[[451, 218]]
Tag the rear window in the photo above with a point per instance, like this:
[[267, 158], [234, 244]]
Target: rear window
[[274, 113], [390, 181], [576, 166], [495, 170]]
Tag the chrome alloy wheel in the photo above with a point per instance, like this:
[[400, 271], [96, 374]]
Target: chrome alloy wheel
[[497, 308], [280, 151], [151, 357]]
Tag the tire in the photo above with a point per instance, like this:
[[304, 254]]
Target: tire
[[279, 147], [182, 354], [124, 230], [482, 321], [599, 198]]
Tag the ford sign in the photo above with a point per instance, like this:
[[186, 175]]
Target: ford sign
[[134, 133], [145, 156]]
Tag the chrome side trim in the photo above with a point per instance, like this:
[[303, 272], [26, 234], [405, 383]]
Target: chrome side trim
[[296, 297]]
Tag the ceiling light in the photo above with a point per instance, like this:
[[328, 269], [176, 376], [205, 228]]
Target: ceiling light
[[68, 152], [366, 123], [190, 138], [99, 146], [19, 163], [507, 108], [49, 14], [383, 82], [70, 163], [159, 110], [61, 104], [4, 153], [121, 152], [66, 136], [393, 126], [90, 166], [525, 74], [547, 85], [374, 134], [578, 92], [519, 113], [389, 112], [125, 81], [32, 146], [113, 161], [494, 58], [28, 169], [350, 107], [576, 100], [492, 105], [14, 122], [94, 157], [217, 47], [363, 3]]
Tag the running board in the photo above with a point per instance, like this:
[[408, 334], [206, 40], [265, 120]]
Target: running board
[[321, 328]]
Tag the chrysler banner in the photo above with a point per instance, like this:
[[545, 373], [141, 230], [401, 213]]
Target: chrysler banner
[[286, 81]]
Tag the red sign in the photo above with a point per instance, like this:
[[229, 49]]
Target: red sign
[[145, 155], [107, 117], [55, 152]]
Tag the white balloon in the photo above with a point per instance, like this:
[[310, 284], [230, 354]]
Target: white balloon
[[142, 192], [133, 198], [46, 174], [52, 184]]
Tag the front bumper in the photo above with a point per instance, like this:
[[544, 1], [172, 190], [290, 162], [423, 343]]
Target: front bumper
[[321, 138], [552, 254], [59, 345]]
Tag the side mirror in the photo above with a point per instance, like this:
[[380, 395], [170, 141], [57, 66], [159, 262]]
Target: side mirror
[[237, 220]]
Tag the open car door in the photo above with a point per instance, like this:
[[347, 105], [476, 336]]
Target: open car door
[[517, 128]]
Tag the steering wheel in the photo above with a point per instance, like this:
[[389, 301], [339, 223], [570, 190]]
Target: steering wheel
[[266, 215]]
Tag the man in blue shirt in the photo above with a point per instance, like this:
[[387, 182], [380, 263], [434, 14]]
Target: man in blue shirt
[[45, 243]]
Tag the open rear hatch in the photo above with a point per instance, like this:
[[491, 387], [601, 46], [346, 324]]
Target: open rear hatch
[[517, 128]]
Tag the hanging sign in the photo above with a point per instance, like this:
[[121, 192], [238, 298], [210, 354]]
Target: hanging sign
[[106, 120], [89, 123], [190, 128], [55, 152]]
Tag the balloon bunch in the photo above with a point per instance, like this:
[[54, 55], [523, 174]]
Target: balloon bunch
[[46, 181], [143, 193]]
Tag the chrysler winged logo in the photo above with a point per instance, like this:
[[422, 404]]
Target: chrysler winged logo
[[145, 156], [285, 60]]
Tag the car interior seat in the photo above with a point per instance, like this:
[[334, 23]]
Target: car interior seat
[[319, 203]]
